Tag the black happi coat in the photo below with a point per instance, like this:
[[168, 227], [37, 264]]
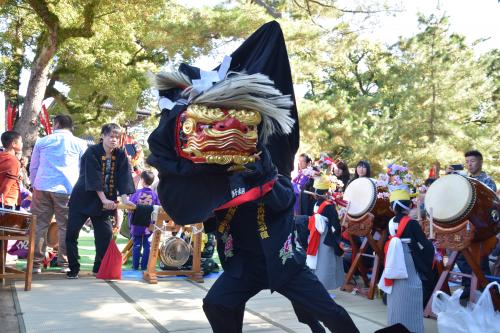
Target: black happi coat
[[332, 239], [239, 235], [84, 198], [422, 250]]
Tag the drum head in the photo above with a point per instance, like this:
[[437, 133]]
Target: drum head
[[361, 193], [448, 198]]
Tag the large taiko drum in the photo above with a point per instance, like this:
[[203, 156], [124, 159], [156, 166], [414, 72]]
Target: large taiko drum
[[14, 222], [174, 252], [362, 194], [453, 199]]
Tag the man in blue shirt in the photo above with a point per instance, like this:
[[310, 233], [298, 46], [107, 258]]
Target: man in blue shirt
[[54, 169]]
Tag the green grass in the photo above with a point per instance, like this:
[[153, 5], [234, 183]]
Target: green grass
[[86, 250]]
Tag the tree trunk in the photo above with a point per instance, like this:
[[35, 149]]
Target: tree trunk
[[28, 123]]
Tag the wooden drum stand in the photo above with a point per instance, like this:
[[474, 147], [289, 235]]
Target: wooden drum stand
[[13, 273], [151, 273], [363, 227], [459, 240]]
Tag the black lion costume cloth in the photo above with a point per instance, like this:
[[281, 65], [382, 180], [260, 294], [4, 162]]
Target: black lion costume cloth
[[224, 150]]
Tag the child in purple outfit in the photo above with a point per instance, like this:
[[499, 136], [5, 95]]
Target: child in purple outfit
[[139, 234]]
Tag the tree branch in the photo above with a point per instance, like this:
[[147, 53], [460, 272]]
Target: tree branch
[[356, 61], [41, 8], [269, 9], [307, 8], [106, 14], [89, 13], [133, 61], [350, 11], [59, 97]]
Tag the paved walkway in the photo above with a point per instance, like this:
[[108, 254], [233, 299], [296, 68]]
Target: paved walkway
[[56, 304]]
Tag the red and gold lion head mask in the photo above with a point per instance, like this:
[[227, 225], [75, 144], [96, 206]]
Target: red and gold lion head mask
[[215, 135], [223, 123]]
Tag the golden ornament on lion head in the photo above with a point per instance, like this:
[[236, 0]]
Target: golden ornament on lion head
[[222, 124]]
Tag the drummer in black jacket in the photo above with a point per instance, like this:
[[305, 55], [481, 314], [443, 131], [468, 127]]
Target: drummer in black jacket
[[104, 173]]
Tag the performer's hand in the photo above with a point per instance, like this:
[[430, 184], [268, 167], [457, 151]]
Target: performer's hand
[[263, 167], [257, 156], [108, 204], [254, 174]]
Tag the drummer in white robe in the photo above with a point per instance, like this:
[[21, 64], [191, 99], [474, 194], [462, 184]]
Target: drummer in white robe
[[324, 255]]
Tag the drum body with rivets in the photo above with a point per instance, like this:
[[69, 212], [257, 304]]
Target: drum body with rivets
[[14, 222]]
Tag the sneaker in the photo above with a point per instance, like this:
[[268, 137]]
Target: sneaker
[[65, 270], [72, 275]]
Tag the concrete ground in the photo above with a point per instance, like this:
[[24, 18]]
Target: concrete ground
[[56, 304]]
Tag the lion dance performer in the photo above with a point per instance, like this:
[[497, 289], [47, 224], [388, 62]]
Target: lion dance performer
[[224, 150]]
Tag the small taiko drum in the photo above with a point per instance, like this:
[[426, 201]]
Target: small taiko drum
[[363, 196], [14, 222], [174, 252], [453, 199]]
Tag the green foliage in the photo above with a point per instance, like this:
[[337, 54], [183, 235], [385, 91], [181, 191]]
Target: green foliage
[[106, 73], [109, 69], [427, 98]]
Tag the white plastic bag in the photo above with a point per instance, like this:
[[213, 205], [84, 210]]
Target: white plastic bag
[[454, 318], [483, 312]]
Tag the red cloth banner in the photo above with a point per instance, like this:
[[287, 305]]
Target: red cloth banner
[[11, 116], [48, 127], [42, 122]]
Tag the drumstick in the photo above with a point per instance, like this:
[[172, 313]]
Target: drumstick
[[346, 211], [419, 213], [324, 196], [431, 222], [124, 206], [315, 194], [2, 201]]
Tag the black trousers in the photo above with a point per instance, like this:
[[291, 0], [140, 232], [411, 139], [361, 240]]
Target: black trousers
[[224, 305], [102, 236]]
